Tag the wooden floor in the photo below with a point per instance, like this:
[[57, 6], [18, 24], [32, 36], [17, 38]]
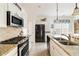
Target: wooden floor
[[39, 49]]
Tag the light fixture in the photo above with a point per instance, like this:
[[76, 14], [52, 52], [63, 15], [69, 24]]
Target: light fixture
[[76, 10], [56, 13]]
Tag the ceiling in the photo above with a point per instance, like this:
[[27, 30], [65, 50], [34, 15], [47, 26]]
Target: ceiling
[[48, 9]]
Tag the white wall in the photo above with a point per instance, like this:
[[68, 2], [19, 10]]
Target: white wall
[[24, 16], [31, 27]]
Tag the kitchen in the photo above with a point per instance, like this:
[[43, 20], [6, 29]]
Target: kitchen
[[39, 29]]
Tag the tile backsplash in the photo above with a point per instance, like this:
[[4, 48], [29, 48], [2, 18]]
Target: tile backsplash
[[9, 32]]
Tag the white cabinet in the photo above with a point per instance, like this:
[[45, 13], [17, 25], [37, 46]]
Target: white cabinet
[[3, 9], [24, 16], [55, 50], [51, 48], [14, 10]]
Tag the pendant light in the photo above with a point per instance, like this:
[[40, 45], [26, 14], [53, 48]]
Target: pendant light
[[76, 10], [56, 13]]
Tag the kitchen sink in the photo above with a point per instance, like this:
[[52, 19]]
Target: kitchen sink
[[65, 42], [68, 43], [58, 39], [61, 39]]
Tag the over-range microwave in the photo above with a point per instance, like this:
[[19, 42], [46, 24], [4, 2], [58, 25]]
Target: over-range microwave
[[13, 20]]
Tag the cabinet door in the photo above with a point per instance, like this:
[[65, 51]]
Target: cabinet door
[[51, 48], [57, 51], [14, 9], [60, 51], [3, 9]]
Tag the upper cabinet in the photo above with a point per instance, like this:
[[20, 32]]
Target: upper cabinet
[[3, 9], [15, 10]]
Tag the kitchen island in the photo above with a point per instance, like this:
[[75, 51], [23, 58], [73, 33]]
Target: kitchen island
[[58, 49]]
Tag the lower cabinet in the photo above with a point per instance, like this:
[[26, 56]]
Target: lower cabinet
[[51, 48], [55, 50], [13, 52]]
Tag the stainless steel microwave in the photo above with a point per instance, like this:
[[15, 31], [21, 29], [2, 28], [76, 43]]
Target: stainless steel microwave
[[13, 20]]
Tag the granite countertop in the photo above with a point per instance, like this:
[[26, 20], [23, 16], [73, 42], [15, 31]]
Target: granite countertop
[[6, 48], [71, 50]]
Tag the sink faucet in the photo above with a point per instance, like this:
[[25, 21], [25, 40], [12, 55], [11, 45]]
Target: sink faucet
[[69, 37]]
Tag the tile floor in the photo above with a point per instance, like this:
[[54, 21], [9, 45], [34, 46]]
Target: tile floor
[[39, 49]]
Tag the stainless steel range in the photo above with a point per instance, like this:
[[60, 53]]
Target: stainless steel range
[[22, 43]]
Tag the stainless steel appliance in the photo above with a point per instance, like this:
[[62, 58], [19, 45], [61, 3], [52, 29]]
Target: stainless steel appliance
[[22, 45], [40, 33], [14, 19]]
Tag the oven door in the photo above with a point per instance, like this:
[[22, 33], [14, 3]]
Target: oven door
[[24, 51], [23, 48]]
